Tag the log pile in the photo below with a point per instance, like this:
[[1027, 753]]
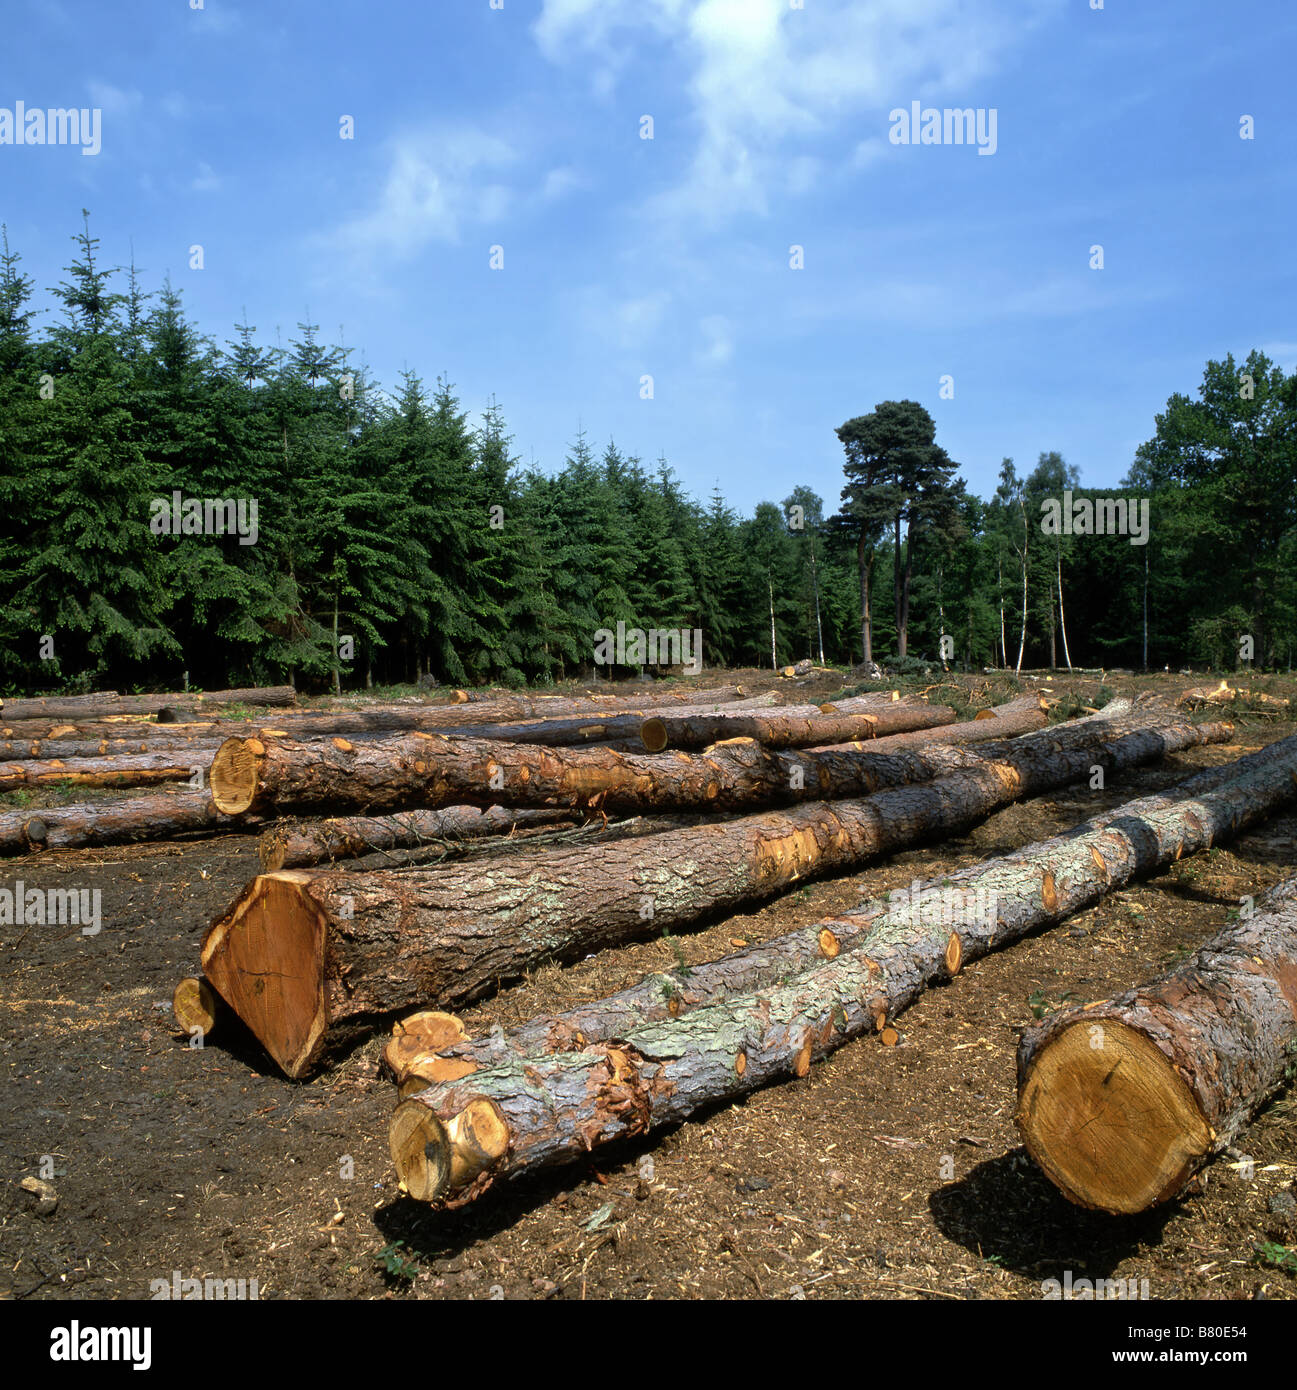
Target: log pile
[[507, 1112], [733, 798], [300, 952]]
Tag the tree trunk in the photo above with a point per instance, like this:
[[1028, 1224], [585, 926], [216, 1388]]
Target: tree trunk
[[150, 741], [1062, 620], [780, 730], [1053, 635], [297, 846], [452, 1140], [110, 703], [380, 775], [1122, 1102], [673, 993], [393, 718], [1021, 716], [299, 951], [866, 568], [815, 584], [128, 770], [162, 816], [999, 592], [1145, 667], [1022, 640]]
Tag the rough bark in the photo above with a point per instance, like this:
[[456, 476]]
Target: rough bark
[[421, 769], [1024, 715], [629, 729], [782, 730], [298, 846], [300, 952], [1121, 1102], [161, 816], [375, 719], [109, 702], [125, 770], [450, 1141], [61, 749], [878, 825]]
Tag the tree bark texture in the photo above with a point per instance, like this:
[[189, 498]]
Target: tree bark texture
[[1122, 1101]]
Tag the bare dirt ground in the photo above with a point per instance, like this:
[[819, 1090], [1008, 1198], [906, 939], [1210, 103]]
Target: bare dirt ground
[[885, 1173]]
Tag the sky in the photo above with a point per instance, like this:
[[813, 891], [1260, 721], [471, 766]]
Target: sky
[[498, 216]]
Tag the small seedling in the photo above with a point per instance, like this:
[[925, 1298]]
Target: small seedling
[[394, 1263]]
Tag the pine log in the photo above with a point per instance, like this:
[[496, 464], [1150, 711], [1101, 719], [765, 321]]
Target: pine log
[[782, 730], [124, 770], [300, 952], [824, 837], [391, 774], [451, 1141], [630, 728], [1122, 1101], [297, 846], [61, 749], [382, 775], [109, 702], [1024, 715], [375, 719], [196, 1007], [161, 816]]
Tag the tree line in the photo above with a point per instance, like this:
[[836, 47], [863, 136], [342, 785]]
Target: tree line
[[395, 538]]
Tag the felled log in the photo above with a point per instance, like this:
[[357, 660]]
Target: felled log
[[124, 770], [629, 729], [109, 702], [1021, 716], [196, 723], [299, 952], [161, 816], [421, 769], [196, 1007], [62, 749], [782, 730], [452, 1140], [318, 842], [1122, 1101], [823, 837]]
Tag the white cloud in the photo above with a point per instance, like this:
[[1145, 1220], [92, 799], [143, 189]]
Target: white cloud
[[113, 101], [770, 87], [718, 341], [206, 180], [559, 182], [435, 184]]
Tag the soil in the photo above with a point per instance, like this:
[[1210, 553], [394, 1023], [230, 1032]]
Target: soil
[[885, 1173]]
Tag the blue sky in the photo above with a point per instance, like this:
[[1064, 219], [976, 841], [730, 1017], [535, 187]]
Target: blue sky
[[520, 127]]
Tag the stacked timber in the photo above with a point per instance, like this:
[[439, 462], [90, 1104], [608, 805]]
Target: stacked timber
[[625, 1066], [301, 951]]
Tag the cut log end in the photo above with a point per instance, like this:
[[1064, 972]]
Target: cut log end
[[954, 954], [653, 735], [420, 1150], [434, 1159], [266, 958], [195, 1005], [1107, 1116], [233, 775], [829, 944]]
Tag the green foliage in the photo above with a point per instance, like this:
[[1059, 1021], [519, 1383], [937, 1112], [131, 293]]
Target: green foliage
[[397, 540], [395, 1265]]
